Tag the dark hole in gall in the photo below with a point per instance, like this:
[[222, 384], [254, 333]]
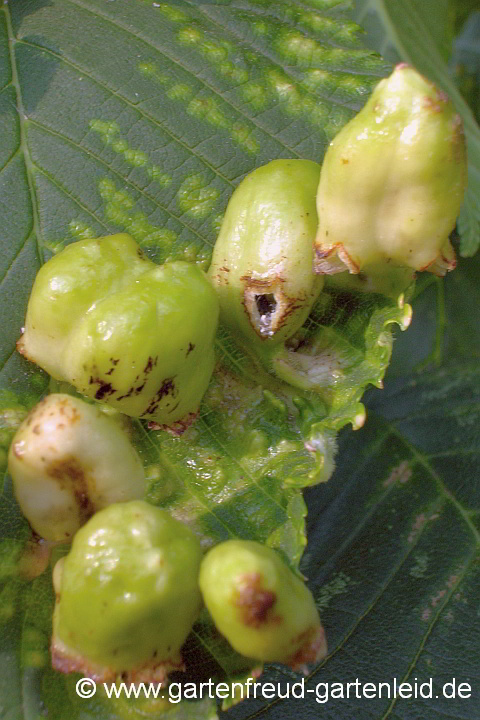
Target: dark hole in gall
[[266, 304]]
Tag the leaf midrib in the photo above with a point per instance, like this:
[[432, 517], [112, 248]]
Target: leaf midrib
[[23, 141]]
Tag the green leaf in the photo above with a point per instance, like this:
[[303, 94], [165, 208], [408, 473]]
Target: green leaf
[[465, 61], [414, 31], [394, 541], [461, 9], [140, 116], [443, 329]]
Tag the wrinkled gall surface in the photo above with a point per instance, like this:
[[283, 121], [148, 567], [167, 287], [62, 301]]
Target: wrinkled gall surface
[[126, 595], [122, 330], [263, 609], [262, 266], [68, 460], [393, 181]]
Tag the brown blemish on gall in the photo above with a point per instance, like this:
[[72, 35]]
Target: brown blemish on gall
[[257, 284], [176, 429], [67, 410], [126, 395], [104, 389], [70, 475], [167, 388], [313, 648], [435, 104], [254, 602], [151, 363], [174, 407], [17, 450], [66, 661]]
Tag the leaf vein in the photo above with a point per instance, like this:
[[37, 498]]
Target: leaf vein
[[286, 21], [12, 157], [7, 358], [317, 95]]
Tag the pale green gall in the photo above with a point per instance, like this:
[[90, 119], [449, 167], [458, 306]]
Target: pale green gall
[[126, 595], [123, 330], [393, 181], [263, 609], [262, 265]]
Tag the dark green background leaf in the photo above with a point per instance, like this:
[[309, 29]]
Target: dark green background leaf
[[143, 117]]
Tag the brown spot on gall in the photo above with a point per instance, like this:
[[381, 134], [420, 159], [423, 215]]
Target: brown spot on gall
[[167, 388], [104, 390], [313, 648], [151, 363], [70, 474], [255, 602], [17, 450]]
